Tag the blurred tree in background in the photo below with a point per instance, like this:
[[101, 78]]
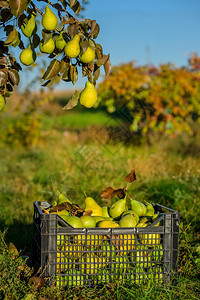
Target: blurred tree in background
[[163, 99]]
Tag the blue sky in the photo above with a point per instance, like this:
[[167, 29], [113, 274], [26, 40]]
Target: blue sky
[[147, 31]]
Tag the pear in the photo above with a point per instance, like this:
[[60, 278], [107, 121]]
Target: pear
[[158, 253], [105, 211], [127, 243], [98, 218], [49, 19], [150, 210], [27, 56], [142, 224], [149, 239], [62, 198], [91, 263], [60, 42], [88, 96], [48, 47], [90, 204], [143, 258], [2, 102], [63, 212], [117, 208], [105, 250], [128, 221], [107, 224], [28, 26], [88, 56], [88, 221], [138, 207], [72, 48], [74, 221], [131, 212]]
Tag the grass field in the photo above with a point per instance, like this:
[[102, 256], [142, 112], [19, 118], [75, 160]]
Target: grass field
[[74, 156]]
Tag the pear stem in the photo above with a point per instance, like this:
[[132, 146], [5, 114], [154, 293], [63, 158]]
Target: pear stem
[[85, 194]]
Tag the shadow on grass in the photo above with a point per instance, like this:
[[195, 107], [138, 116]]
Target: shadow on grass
[[20, 234]]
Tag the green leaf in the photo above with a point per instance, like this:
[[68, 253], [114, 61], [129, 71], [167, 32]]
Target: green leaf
[[36, 40], [6, 15], [4, 4], [52, 70], [72, 3], [3, 61], [14, 76], [96, 73], [73, 74], [3, 77], [12, 37], [52, 81], [99, 51], [18, 6], [101, 61], [46, 35], [72, 30], [64, 66], [72, 102], [84, 45], [107, 67], [76, 8], [94, 29]]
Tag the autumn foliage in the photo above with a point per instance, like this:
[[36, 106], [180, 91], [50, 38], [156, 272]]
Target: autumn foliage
[[164, 99]]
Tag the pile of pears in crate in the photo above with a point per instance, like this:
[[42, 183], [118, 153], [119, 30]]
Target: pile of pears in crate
[[124, 212]]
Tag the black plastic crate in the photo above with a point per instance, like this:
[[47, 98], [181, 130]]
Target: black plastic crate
[[89, 256]]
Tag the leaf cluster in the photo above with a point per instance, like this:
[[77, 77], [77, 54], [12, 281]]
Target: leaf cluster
[[60, 67], [9, 68]]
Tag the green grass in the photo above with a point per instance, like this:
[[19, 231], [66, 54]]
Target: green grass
[[165, 175], [77, 120]]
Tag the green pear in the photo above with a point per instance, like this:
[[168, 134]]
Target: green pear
[[88, 56], [150, 209], [131, 212], [28, 26], [60, 42], [90, 204], [128, 221], [49, 19], [106, 249], [88, 221], [117, 208], [48, 47], [72, 48], [62, 198], [2, 102], [88, 96], [74, 221], [150, 239], [158, 253], [27, 56], [91, 263], [105, 212], [98, 218], [107, 224], [138, 207]]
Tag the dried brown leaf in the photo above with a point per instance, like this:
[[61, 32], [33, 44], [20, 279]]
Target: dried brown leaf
[[120, 193], [131, 176], [36, 282], [108, 193], [87, 213], [62, 206]]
